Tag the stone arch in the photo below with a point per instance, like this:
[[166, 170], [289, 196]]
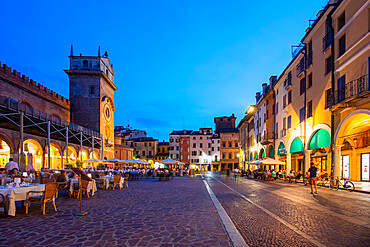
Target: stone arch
[[33, 154], [291, 139], [261, 153], [268, 150], [6, 149], [56, 158], [72, 154], [351, 120]]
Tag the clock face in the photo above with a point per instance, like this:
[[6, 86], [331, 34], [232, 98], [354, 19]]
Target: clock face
[[107, 112]]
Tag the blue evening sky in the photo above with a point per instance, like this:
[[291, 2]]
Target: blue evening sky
[[178, 64]]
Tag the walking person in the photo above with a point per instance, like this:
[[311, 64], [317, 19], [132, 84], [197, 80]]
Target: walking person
[[313, 177]]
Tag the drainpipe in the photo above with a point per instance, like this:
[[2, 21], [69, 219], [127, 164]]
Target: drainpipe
[[332, 132]]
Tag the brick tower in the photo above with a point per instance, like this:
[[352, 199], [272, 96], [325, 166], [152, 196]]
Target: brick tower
[[91, 95]]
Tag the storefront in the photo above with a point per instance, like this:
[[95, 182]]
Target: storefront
[[319, 144], [296, 149], [282, 155]]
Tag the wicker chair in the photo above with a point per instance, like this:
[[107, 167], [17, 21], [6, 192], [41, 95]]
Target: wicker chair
[[125, 182], [47, 180], [84, 188], [99, 182], [117, 181], [48, 195], [101, 175], [3, 203]]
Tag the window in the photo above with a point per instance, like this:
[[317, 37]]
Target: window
[[328, 65], [342, 45], [209, 152], [309, 109], [341, 20], [201, 137], [213, 149], [171, 140], [277, 107], [177, 148], [201, 145], [143, 153], [209, 145], [85, 63], [289, 97], [145, 144], [273, 109], [230, 156], [92, 90], [223, 144], [284, 101], [309, 55], [194, 153], [284, 123], [194, 145], [302, 86], [230, 144], [194, 138], [301, 115], [277, 91], [218, 148], [267, 115], [150, 144], [309, 83], [150, 153], [289, 122], [223, 155], [236, 144], [328, 98]]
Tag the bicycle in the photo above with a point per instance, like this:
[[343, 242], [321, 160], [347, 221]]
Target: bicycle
[[347, 184]]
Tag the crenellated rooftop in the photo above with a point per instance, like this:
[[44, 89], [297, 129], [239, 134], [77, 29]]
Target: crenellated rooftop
[[25, 82]]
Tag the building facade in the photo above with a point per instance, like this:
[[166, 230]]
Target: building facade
[[39, 128], [321, 99]]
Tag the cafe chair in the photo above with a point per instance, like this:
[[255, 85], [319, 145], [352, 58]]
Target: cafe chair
[[47, 180], [48, 195], [125, 182], [99, 182], [3, 203], [84, 188], [117, 181]]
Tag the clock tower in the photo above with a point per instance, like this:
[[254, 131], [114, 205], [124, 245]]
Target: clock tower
[[91, 95]]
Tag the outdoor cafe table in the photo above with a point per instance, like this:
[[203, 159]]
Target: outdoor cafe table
[[110, 179], [14, 194], [6, 180], [91, 187]]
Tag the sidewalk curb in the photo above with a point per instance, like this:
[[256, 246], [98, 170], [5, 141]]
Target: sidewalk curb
[[234, 235]]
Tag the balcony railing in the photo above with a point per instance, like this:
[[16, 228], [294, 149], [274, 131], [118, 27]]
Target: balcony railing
[[352, 89], [300, 67], [288, 82], [326, 41], [309, 59]]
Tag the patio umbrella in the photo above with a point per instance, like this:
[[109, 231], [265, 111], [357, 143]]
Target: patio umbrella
[[114, 160], [131, 161], [253, 162], [169, 161], [270, 161], [92, 161]]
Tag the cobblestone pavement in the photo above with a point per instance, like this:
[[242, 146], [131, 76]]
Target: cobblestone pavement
[[283, 214], [148, 213]]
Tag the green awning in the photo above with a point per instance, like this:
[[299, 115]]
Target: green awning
[[281, 149], [263, 155], [321, 139], [272, 152], [297, 146], [256, 156], [251, 156]]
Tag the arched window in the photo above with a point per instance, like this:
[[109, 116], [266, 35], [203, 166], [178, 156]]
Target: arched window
[[85, 63]]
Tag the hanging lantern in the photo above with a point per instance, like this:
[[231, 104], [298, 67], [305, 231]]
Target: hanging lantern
[[26, 147]]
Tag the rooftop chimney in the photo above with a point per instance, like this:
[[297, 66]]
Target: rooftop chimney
[[273, 80], [258, 95], [264, 86], [71, 50]]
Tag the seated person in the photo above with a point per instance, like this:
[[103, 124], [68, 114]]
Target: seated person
[[291, 176], [298, 176], [14, 172], [62, 177]]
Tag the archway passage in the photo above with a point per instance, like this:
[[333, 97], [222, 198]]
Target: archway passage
[[32, 154], [72, 156], [5, 152], [353, 134], [262, 154], [55, 157]]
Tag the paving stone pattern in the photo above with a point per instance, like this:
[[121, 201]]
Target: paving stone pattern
[[148, 213], [324, 226]]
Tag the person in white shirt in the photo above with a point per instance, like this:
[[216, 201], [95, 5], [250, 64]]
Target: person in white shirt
[[11, 165]]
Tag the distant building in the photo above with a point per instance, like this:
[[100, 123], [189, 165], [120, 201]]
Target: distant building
[[129, 133], [144, 148], [175, 142], [200, 148], [163, 151], [121, 151]]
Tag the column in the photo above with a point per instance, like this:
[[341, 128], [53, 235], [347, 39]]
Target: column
[[67, 131], [21, 156], [81, 146], [49, 150], [307, 160], [288, 162], [336, 168]]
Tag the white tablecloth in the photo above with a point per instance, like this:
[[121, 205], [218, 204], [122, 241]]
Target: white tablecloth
[[9, 179], [91, 187], [110, 179], [19, 194]]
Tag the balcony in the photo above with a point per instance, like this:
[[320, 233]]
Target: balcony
[[288, 83], [309, 59], [326, 41], [267, 138], [353, 91], [300, 67]]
